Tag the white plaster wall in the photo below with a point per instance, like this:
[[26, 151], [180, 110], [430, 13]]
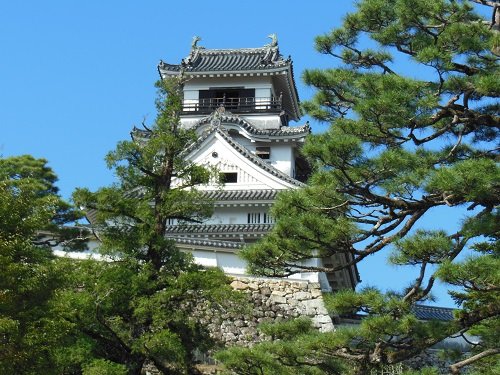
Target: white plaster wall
[[196, 84], [263, 121], [92, 252], [232, 264], [191, 97], [282, 158], [229, 262], [234, 215], [205, 258]]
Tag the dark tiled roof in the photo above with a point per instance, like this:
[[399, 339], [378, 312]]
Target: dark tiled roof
[[219, 228], [222, 60], [284, 131], [421, 312], [234, 195], [433, 313], [208, 243]]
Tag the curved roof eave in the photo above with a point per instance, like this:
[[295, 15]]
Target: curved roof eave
[[297, 132]]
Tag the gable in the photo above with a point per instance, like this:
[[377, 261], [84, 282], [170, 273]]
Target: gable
[[217, 149]]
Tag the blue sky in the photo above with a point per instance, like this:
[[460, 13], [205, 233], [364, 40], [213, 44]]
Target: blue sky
[[76, 76]]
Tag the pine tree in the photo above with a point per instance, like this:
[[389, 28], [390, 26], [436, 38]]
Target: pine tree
[[401, 144], [139, 306], [32, 215]]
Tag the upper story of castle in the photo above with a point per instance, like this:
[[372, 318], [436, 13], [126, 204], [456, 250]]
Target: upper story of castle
[[256, 84]]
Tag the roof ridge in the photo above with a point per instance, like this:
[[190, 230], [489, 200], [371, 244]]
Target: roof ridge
[[434, 307], [230, 50]]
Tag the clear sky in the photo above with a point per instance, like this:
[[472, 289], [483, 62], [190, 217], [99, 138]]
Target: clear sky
[[76, 76]]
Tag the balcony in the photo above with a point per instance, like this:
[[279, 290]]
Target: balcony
[[235, 105]]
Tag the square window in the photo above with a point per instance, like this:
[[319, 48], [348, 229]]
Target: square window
[[263, 152], [228, 177]]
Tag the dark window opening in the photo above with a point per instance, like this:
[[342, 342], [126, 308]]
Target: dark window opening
[[234, 99], [263, 152], [228, 177], [230, 98], [302, 169]]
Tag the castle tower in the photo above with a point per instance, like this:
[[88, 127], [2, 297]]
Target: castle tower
[[240, 102]]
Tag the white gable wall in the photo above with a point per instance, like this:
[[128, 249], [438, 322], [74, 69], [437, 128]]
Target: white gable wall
[[250, 176], [282, 154]]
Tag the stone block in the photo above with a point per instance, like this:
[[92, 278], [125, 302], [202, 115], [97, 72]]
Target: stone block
[[310, 306], [321, 319], [302, 296], [278, 293], [277, 298], [253, 286], [315, 293], [312, 286], [239, 285], [327, 327], [266, 291]]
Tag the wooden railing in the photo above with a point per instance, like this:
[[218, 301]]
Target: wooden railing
[[236, 105]]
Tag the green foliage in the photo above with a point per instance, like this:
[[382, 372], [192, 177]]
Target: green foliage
[[144, 303], [399, 146], [288, 329], [104, 367], [296, 349], [29, 208], [423, 246], [424, 371]]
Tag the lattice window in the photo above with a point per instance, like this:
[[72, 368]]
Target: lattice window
[[268, 219], [259, 218], [254, 218]]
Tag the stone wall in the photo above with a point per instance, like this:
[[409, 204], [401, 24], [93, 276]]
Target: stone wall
[[430, 358], [271, 300]]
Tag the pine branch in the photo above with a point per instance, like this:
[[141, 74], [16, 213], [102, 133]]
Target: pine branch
[[455, 368]]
